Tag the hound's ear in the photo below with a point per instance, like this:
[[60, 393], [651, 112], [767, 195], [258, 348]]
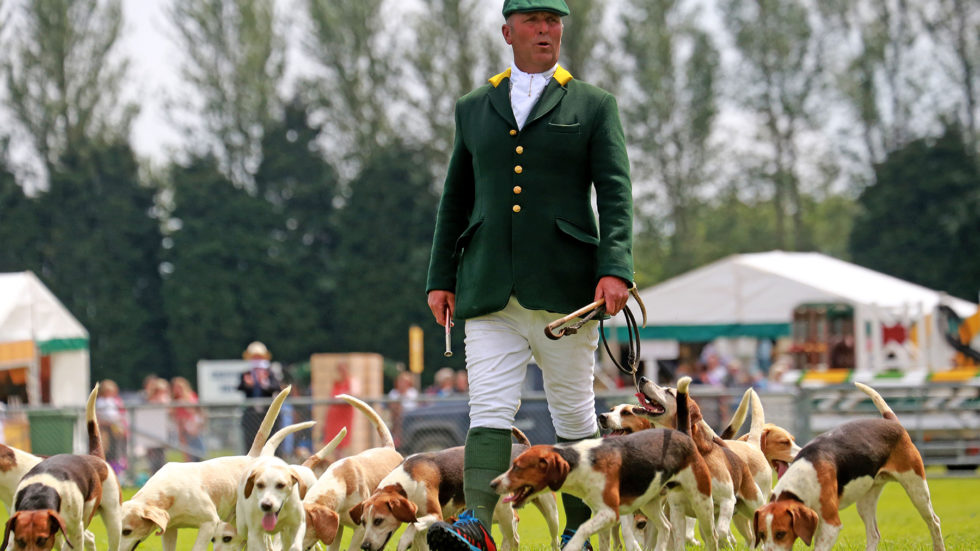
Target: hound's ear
[[300, 485], [759, 532], [804, 523], [403, 510], [324, 522], [157, 516], [762, 438], [60, 523], [356, 512], [249, 484], [6, 530], [557, 472]]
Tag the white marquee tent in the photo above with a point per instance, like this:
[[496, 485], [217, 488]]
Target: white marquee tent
[[754, 295], [37, 330]]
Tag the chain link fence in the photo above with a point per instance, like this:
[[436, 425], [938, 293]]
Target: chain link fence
[[944, 422]]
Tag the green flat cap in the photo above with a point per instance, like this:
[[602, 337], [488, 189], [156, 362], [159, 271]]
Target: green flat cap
[[556, 6]]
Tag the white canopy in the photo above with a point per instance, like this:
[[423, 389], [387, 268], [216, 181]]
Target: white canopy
[[30, 313], [755, 294]]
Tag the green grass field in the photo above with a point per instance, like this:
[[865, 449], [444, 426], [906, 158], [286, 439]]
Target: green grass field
[[954, 499]]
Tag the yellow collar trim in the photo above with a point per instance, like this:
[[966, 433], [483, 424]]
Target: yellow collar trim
[[561, 75]]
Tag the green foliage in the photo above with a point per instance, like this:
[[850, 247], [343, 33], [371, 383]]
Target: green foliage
[[670, 117], [923, 205], [98, 250], [18, 225], [384, 234], [356, 84], [64, 76], [236, 60]]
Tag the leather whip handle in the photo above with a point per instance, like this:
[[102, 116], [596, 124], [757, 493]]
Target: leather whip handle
[[549, 329]]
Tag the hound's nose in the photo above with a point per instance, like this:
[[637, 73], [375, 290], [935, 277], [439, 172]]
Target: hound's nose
[[265, 506], [644, 380], [494, 483], [603, 420]]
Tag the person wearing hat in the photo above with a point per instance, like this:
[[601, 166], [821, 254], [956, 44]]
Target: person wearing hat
[[517, 245], [257, 381]]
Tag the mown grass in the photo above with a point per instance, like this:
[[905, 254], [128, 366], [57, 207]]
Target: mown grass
[[954, 499]]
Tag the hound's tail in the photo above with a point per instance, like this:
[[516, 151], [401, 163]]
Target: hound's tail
[[758, 420], [886, 411], [265, 429], [379, 424], [520, 436], [683, 415], [276, 439], [738, 418], [92, 425], [319, 461]]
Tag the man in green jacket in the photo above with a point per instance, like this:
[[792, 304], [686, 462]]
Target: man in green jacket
[[517, 245]]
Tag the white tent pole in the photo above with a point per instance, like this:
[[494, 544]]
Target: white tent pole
[[34, 369]]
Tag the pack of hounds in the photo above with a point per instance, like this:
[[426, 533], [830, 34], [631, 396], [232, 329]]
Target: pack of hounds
[[659, 473]]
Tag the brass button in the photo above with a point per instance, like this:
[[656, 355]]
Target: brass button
[[513, 132], [520, 149], [518, 169], [517, 190], [517, 208]]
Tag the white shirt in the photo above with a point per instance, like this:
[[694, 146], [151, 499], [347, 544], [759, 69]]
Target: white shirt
[[525, 89]]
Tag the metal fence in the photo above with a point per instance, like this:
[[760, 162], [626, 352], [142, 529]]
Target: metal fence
[[944, 422]]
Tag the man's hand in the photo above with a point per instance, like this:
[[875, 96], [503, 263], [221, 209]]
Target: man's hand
[[439, 301], [613, 289]]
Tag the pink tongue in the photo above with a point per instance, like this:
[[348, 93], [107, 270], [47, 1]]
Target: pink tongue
[[269, 522], [781, 469], [509, 498]]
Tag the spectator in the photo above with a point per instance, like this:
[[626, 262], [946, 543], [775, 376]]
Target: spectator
[[444, 383], [257, 382], [339, 414], [111, 412], [157, 392], [188, 418], [462, 382], [404, 397]]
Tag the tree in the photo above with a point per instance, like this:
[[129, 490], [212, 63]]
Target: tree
[[453, 54], [19, 231], [350, 47], [217, 265], [235, 61], [301, 189], [99, 253], [64, 75], [670, 114], [918, 221], [382, 253], [581, 40], [955, 25], [878, 77], [780, 71]]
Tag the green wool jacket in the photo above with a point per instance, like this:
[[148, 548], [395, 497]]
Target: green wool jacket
[[516, 212]]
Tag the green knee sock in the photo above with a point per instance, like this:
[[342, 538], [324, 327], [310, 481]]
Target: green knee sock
[[576, 511], [487, 455]]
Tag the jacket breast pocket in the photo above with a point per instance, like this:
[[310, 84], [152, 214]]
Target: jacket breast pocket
[[572, 128]]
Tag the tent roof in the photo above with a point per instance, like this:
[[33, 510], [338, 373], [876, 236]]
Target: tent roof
[[755, 294], [29, 311]]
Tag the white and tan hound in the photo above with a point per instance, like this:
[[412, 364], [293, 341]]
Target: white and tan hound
[[849, 464]]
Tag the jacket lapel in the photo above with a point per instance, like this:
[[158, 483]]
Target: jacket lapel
[[500, 97]]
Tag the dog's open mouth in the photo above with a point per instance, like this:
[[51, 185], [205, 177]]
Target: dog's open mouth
[[517, 497], [780, 466], [269, 521], [649, 406], [621, 431]]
